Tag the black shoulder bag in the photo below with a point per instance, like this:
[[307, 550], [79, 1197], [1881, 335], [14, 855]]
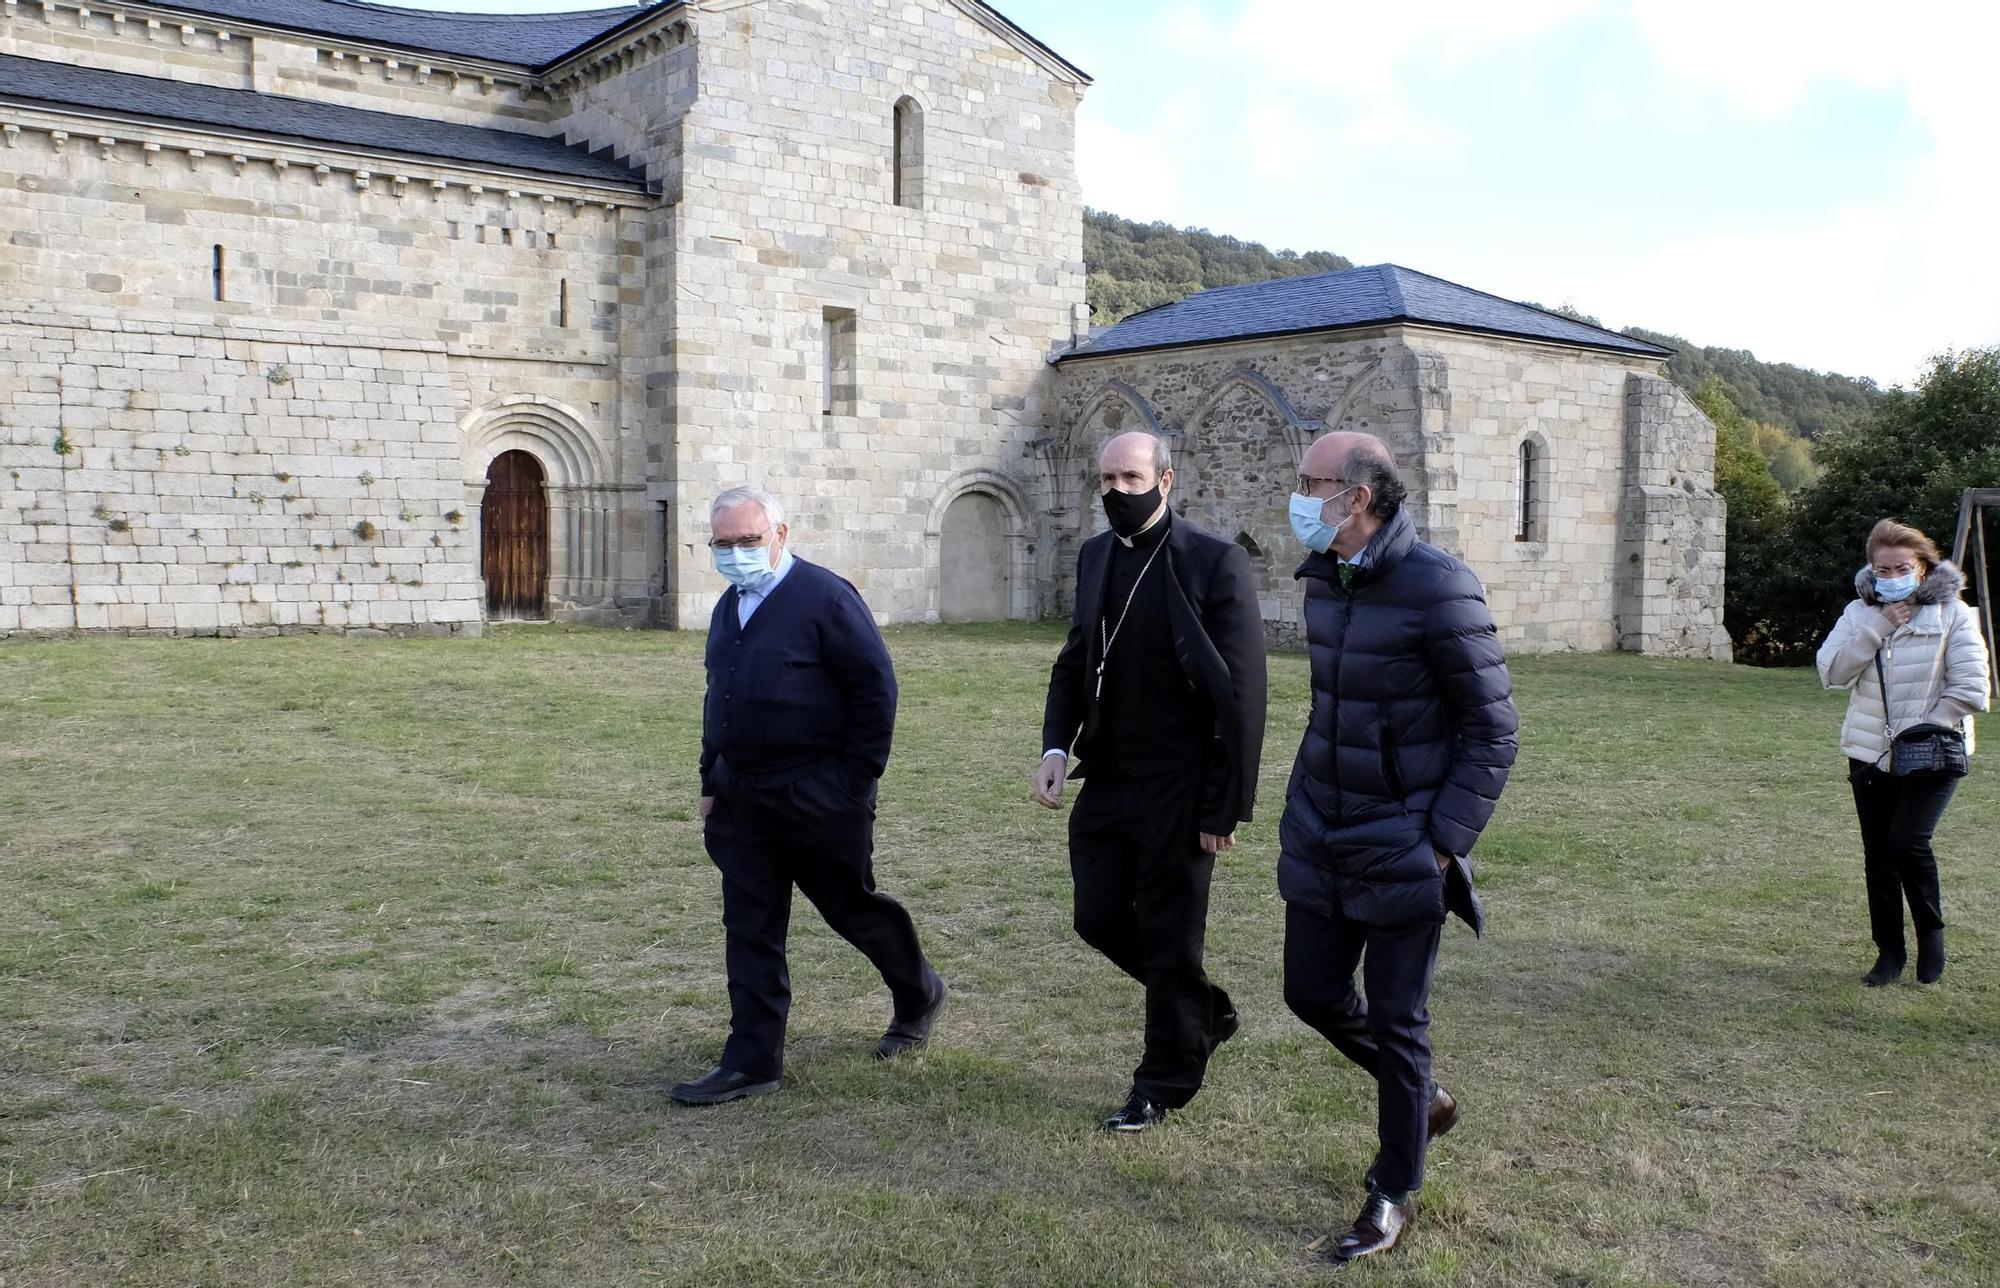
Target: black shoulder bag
[[1922, 750]]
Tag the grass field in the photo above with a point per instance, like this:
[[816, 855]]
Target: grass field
[[366, 963]]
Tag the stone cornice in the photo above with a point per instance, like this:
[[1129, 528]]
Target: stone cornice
[[113, 135], [163, 17], [618, 51]]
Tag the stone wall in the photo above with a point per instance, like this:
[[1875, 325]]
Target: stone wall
[[118, 239], [1624, 549], [161, 476], [788, 211], [1240, 416], [1672, 533]]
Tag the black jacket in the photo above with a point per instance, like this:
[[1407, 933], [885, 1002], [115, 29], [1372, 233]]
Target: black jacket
[[1412, 734], [1218, 636], [806, 686]]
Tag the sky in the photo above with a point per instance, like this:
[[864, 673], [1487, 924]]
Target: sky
[[1815, 182]]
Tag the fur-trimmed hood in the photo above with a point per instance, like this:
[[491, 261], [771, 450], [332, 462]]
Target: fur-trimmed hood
[[1943, 584]]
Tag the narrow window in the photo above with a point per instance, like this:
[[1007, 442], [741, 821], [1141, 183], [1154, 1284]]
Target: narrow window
[[562, 305], [907, 182], [217, 272], [837, 379], [1527, 521]]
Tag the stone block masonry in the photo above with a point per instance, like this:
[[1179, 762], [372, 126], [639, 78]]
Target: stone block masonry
[[207, 481]]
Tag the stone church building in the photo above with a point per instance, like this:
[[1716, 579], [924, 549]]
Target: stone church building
[[318, 315]]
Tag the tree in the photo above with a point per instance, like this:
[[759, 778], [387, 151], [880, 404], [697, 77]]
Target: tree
[[1913, 462], [1755, 527]]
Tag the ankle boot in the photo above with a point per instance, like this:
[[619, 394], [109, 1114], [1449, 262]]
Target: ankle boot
[[1930, 956], [1887, 968]]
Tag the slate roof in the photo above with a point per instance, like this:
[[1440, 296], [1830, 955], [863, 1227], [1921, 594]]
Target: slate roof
[[1369, 296], [524, 39], [42, 83]]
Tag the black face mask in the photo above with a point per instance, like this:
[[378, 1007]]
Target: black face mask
[[1128, 511]]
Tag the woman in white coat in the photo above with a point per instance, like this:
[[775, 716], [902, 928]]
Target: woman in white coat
[[1908, 614]]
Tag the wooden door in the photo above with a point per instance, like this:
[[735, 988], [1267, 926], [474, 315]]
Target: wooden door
[[514, 538]]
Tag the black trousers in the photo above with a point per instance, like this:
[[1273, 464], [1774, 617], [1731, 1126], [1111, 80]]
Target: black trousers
[[817, 833], [1142, 883], [1898, 817], [1386, 1032]]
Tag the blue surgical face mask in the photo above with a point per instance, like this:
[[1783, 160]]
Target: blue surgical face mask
[[745, 567], [1309, 525], [1891, 590]]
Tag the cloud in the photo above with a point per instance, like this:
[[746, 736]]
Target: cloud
[[1136, 174]]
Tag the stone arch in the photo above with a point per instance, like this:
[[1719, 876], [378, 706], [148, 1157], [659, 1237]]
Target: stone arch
[[1017, 533], [1235, 468], [582, 506], [1119, 391], [552, 432]]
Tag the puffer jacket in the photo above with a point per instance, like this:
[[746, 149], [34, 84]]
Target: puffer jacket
[[1936, 664], [1412, 734]]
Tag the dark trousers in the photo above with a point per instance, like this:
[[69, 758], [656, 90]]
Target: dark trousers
[[1142, 900], [1898, 817], [818, 834], [1387, 1032]]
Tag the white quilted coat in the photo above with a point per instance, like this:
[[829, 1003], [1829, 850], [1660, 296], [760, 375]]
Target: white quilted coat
[[1940, 654]]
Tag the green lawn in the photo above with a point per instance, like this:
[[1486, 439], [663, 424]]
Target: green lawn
[[366, 963]]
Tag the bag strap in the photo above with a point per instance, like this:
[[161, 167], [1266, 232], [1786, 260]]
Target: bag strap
[[1888, 724]]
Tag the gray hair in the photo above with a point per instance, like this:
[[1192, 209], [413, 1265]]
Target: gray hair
[[774, 509], [1163, 455], [1370, 464]]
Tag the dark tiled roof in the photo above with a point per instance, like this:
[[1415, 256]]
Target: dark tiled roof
[[35, 81], [525, 39], [1370, 296]]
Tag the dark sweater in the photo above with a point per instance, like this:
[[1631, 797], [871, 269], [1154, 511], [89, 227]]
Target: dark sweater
[[806, 685]]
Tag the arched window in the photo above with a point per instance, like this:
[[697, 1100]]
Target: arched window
[[1528, 517], [907, 185]]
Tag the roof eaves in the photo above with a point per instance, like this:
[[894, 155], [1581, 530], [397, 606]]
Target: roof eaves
[[328, 37], [1627, 349], [1625, 343], [614, 36]]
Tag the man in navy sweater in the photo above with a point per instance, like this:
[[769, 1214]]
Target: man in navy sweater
[[796, 728]]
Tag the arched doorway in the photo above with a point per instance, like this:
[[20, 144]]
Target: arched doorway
[[514, 537], [975, 561]]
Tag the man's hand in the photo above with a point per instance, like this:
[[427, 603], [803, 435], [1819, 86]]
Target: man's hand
[[707, 807], [1899, 614], [1049, 779], [1444, 860], [1214, 844]]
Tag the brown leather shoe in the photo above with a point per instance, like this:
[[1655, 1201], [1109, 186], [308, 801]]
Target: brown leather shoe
[[1443, 1117], [1378, 1229], [1444, 1111]]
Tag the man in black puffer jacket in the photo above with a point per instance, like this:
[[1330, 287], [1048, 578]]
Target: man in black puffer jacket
[[1411, 736]]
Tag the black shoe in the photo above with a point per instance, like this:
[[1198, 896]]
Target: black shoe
[[1930, 957], [908, 1035], [1136, 1114], [1378, 1229], [1443, 1116], [719, 1085], [1227, 1025], [1886, 970]]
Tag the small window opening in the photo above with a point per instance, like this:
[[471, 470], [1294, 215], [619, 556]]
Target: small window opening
[[1527, 525], [837, 376], [218, 272], [907, 180], [562, 305]]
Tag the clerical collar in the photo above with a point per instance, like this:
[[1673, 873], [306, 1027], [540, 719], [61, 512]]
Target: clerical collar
[[1150, 535]]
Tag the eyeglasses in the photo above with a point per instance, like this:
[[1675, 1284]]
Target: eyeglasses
[[1308, 482], [1900, 570], [739, 543]]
